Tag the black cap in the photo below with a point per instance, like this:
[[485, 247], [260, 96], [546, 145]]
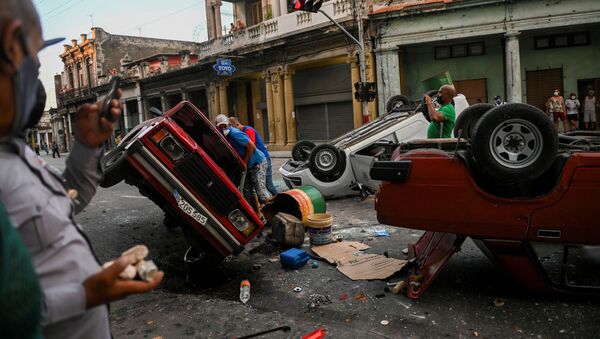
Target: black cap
[[52, 42]]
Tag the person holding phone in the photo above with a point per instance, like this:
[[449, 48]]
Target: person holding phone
[[75, 290]]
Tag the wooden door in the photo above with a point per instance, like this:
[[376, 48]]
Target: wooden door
[[474, 90], [541, 84]]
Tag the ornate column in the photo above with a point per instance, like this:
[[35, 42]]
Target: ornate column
[[256, 113], [283, 7], [355, 75], [513, 68], [279, 107], [275, 8], [270, 109], [218, 26], [290, 114], [388, 80], [241, 102], [223, 106]]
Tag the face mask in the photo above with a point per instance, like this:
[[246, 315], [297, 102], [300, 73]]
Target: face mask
[[38, 107], [25, 85], [555, 93], [572, 97], [225, 131]]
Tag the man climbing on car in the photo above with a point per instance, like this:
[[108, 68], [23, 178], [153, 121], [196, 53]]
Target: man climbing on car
[[442, 120], [253, 158]]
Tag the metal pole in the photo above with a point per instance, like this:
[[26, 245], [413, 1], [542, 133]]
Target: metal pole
[[361, 56]]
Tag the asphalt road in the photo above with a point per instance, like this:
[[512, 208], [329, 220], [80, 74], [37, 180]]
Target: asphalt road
[[458, 304]]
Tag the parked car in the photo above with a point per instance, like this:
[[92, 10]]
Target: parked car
[[524, 195], [183, 164], [341, 168]]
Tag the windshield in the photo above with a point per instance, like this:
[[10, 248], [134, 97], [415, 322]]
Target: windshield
[[209, 139]]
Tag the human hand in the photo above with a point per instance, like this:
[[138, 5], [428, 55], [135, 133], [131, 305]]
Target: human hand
[[427, 99], [93, 129], [105, 286]]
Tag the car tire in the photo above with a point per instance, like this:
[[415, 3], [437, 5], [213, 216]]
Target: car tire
[[468, 118], [302, 149], [395, 102], [116, 167], [424, 107], [204, 255], [514, 143], [325, 160]]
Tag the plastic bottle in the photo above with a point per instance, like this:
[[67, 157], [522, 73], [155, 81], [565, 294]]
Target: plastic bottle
[[244, 291]]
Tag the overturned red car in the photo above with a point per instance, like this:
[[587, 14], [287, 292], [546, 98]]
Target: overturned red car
[[183, 164], [525, 195]]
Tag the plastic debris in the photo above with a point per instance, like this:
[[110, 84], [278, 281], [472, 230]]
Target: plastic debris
[[314, 264], [244, 291], [293, 258], [381, 233], [343, 296], [297, 289], [317, 334], [384, 322]]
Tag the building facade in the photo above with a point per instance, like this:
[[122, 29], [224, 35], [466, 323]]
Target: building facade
[[520, 50]]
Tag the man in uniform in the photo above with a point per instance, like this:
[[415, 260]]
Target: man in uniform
[[75, 290], [442, 120]]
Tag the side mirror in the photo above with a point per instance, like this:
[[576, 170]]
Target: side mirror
[[155, 111]]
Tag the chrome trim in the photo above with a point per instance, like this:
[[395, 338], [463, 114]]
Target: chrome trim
[[149, 161]]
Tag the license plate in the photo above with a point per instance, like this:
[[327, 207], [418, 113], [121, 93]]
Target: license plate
[[189, 209]]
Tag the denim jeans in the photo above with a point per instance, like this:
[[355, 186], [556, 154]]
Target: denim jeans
[[270, 186], [256, 182]]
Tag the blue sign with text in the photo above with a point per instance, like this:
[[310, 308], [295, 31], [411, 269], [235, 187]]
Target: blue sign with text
[[224, 67]]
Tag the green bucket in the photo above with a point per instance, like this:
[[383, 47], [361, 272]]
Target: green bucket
[[299, 202]]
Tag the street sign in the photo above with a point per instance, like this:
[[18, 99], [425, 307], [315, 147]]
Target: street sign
[[224, 67]]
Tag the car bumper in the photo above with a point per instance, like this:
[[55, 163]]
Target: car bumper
[[296, 174]]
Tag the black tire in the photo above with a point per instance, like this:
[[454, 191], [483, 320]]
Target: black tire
[[468, 118], [395, 102], [325, 160], [514, 143], [116, 167], [302, 149], [424, 108], [204, 255]]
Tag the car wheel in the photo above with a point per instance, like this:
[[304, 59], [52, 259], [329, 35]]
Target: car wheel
[[514, 143], [116, 167], [425, 108], [396, 102], [468, 118], [302, 149], [201, 254], [325, 160]]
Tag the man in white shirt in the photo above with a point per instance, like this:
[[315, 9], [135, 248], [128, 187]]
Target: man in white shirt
[[573, 105], [589, 110]]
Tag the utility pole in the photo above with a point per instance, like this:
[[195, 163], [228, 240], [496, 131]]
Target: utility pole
[[361, 45]]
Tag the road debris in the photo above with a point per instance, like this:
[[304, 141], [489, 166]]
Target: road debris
[[293, 258], [297, 289], [384, 322], [317, 334], [499, 302]]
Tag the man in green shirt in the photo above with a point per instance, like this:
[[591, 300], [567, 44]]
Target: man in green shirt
[[445, 116]]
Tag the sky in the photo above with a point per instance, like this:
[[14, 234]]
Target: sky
[[178, 20]]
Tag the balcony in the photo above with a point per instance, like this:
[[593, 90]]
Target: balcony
[[69, 95], [277, 28]]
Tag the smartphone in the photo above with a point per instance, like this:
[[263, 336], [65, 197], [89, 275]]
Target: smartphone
[[115, 82]]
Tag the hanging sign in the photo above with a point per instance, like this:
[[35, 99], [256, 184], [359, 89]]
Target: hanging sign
[[224, 67]]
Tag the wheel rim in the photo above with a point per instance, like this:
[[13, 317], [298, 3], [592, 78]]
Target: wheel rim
[[114, 158], [516, 143], [398, 104], [304, 152], [325, 160]]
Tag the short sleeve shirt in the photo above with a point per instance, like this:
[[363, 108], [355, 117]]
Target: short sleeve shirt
[[433, 132], [239, 141]]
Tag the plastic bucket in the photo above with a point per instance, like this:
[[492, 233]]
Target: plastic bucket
[[319, 228], [299, 202]]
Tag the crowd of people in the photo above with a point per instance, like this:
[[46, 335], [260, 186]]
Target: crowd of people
[[569, 111]]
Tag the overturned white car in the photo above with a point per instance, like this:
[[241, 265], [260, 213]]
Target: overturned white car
[[341, 168]]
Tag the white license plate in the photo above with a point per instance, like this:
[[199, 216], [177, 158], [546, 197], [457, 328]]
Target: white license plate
[[189, 209]]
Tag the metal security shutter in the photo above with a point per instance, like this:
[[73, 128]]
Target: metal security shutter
[[541, 84], [339, 118], [311, 123], [323, 122], [474, 90]]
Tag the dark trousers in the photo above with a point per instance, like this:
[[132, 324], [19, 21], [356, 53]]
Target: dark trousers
[[55, 151]]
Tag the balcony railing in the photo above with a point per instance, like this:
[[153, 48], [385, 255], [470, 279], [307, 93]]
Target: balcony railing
[[72, 94], [276, 28]]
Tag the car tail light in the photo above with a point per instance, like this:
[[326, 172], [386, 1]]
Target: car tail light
[[240, 222]]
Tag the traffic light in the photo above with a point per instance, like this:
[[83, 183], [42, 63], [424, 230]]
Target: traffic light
[[365, 91], [307, 5]]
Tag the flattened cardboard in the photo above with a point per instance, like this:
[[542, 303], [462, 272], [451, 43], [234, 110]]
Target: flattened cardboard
[[338, 251], [357, 265], [370, 267]]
